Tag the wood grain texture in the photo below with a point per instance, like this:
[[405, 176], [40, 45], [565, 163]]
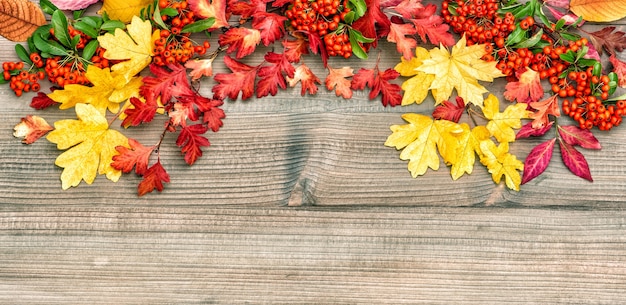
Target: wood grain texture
[[297, 201]]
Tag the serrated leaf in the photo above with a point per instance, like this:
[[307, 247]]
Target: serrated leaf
[[502, 124], [537, 160], [123, 10], [469, 146], [500, 163]]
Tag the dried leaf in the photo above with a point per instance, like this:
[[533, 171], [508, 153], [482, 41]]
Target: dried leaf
[[19, 19], [599, 10], [608, 40], [31, 128]]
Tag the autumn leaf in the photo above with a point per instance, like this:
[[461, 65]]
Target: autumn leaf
[[526, 89], [135, 155], [191, 141], [273, 74], [549, 106], [575, 135], [608, 39], [214, 9], [307, 80], [449, 111], [134, 48], [42, 101], [89, 144], [247, 9], [528, 131], [373, 24], [153, 179], [294, 49], [619, 67], [31, 128], [19, 19], [230, 84], [431, 27], [459, 70], [501, 124], [270, 25], [537, 160], [422, 139], [500, 163], [242, 40], [599, 10], [397, 35], [337, 80], [142, 111], [123, 10], [167, 82], [108, 90], [200, 68], [469, 146], [575, 161], [416, 87], [379, 84]]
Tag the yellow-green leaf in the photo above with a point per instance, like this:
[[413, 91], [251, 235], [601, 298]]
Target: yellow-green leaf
[[90, 147], [599, 10]]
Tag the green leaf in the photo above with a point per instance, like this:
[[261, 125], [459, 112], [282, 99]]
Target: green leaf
[[559, 24], [156, 17], [111, 25], [613, 81], [530, 42], [350, 17], [170, 12], [570, 36], [584, 62], [359, 37], [359, 6], [49, 46], [357, 50], [77, 14], [90, 49], [86, 28], [516, 36], [198, 26], [47, 7], [568, 57], [93, 21], [597, 69], [23, 54], [75, 41], [59, 24]]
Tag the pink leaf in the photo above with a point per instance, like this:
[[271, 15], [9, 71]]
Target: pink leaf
[[575, 161], [537, 160], [619, 67], [575, 135], [528, 131]]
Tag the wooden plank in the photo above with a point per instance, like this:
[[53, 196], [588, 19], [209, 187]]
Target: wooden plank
[[222, 255]]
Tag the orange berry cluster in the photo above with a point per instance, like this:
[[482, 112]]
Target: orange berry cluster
[[174, 46], [478, 20], [588, 106], [20, 80], [338, 44]]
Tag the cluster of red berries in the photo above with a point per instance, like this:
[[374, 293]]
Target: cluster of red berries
[[588, 106], [21, 80], [338, 44], [478, 20], [174, 46]]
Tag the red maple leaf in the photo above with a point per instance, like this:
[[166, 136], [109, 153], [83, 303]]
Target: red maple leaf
[[42, 101], [190, 140], [378, 83], [307, 79], [397, 35], [140, 112], [242, 40], [167, 82], [153, 179], [271, 26], [247, 9], [273, 75], [336, 79], [230, 84], [449, 111], [374, 24], [294, 49], [137, 156]]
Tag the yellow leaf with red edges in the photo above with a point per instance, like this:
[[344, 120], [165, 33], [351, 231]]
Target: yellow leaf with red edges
[[422, 139], [416, 87], [599, 10], [133, 48], [460, 70], [502, 124], [89, 144], [500, 163], [123, 10], [469, 146], [108, 90]]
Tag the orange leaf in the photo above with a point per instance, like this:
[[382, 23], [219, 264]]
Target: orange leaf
[[31, 128], [599, 10], [19, 19]]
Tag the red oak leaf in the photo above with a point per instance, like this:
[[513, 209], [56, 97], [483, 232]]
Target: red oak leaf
[[190, 140], [42, 101], [378, 82], [527, 89], [294, 49], [137, 156], [575, 135], [205, 9], [575, 161], [242, 40], [374, 24], [549, 106], [247, 9], [430, 26], [230, 84], [140, 112], [153, 179], [336, 79], [167, 82], [619, 67], [271, 26], [273, 75], [397, 35], [200, 68], [528, 131], [31, 128], [537, 160], [307, 79], [449, 111]]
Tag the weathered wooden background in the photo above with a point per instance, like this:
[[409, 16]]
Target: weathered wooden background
[[298, 201]]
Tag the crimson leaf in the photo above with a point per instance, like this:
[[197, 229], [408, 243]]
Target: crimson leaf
[[153, 179], [140, 112], [449, 111], [190, 140], [575, 161], [537, 160], [575, 135], [528, 131], [230, 84]]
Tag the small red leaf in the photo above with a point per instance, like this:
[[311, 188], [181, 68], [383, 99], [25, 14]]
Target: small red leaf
[[230, 84], [153, 179], [575, 161], [449, 111], [190, 140], [575, 135], [537, 160], [140, 112], [137, 156], [528, 131], [42, 101]]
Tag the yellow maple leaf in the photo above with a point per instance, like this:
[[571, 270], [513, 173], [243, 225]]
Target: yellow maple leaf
[[133, 48], [416, 87], [422, 138], [90, 147], [461, 69], [501, 124], [123, 10], [469, 146], [108, 90], [500, 162]]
